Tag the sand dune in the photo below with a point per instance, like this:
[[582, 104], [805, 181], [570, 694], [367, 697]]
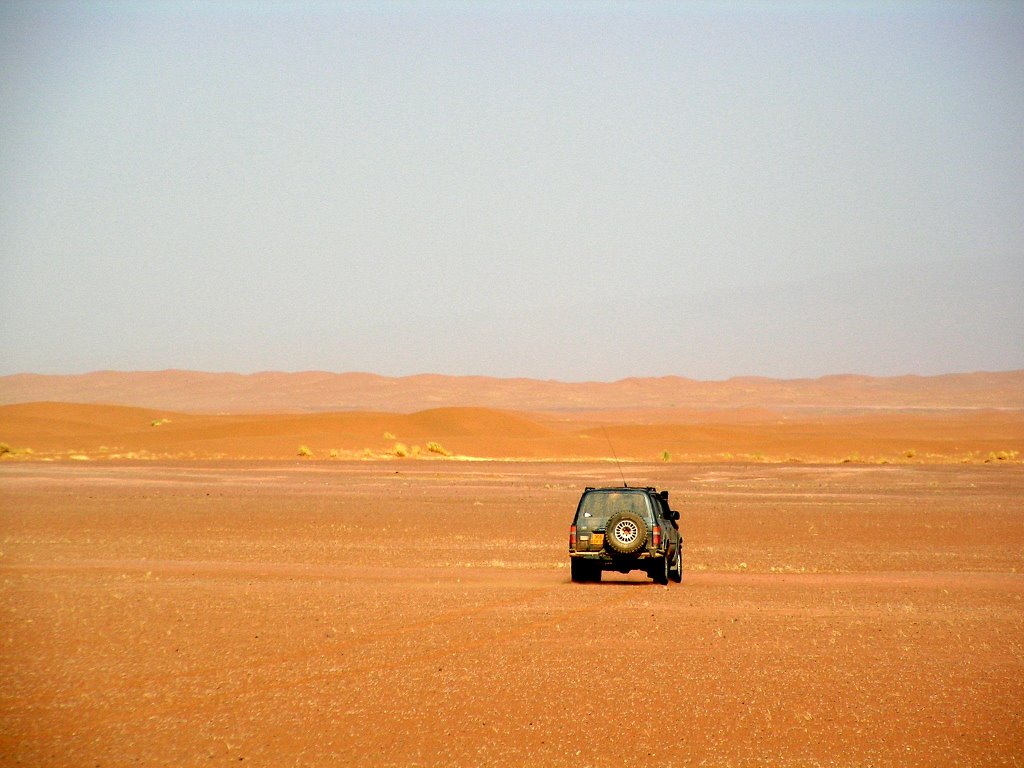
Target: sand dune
[[192, 392], [65, 430], [183, 414]]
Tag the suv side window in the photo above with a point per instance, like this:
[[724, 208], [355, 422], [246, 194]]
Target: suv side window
[[662, 507], [666, 512]]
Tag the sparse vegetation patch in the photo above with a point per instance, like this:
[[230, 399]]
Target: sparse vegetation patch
[[6, 451], [1001, 456]]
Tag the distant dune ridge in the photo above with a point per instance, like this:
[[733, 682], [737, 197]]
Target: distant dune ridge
[[313, 391], [188, 415]]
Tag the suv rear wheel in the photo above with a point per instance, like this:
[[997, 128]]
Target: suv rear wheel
[[675, 571], [583, 571], [659, 571]]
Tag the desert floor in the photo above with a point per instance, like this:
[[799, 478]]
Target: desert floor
[[420, 613]]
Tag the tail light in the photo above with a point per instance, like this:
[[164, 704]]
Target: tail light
[[572, 537], [656, 538]]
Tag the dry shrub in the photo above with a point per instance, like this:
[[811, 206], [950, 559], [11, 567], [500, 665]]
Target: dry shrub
[[438, 448], [1001, 456]]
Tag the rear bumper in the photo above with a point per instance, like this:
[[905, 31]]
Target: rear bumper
[[604, 557]]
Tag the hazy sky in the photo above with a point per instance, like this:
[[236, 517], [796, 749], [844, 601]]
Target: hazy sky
[[553, 190]]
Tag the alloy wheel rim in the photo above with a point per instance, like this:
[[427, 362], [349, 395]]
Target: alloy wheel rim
[[626, 531]]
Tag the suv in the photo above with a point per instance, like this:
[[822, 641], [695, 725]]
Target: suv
[[625, 529]]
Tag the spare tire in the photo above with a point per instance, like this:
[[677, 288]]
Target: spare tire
[[625, 533]]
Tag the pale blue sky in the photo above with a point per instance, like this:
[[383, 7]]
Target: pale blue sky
[[553, 190]]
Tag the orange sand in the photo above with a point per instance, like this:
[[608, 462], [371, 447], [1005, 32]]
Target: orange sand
[[63, 430]]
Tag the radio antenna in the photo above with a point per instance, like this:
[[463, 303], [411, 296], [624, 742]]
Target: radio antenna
[[615, 456]]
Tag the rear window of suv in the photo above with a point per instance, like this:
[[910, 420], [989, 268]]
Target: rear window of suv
[[601, 505]]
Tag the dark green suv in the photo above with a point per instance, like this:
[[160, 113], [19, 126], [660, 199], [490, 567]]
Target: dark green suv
[[625, 529]]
